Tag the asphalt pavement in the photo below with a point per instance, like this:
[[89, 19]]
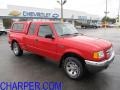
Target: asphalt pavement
[[30, 67]]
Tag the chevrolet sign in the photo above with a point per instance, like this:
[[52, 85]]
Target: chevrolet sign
[[40, 14]]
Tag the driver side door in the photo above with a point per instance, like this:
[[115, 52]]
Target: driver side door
[[46, 46]]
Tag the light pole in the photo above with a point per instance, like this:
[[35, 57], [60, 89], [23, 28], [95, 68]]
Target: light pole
[[61, 2], [106, 12], [118, 12]]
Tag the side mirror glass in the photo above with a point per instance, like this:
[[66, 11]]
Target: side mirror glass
[[49, 36]]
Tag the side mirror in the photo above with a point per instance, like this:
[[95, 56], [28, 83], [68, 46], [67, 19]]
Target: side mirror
[[49, 36]]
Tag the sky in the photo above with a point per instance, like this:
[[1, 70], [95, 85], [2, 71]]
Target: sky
[[95, 7]]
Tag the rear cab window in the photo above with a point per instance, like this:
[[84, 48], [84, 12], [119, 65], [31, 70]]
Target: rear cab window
[[18, 27]]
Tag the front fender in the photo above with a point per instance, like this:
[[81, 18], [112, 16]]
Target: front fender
[[77, 52]]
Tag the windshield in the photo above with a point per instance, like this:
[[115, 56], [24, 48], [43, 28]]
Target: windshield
[[65, 29]]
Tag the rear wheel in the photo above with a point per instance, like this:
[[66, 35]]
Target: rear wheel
[[73, 67], [16, 49]]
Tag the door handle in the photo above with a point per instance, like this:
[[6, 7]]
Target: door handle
[[36, 40]]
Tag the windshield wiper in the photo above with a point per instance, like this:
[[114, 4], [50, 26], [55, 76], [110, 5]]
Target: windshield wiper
[[66, 34], [76, 34]]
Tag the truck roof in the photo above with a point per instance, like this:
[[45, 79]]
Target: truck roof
[[37, 22]]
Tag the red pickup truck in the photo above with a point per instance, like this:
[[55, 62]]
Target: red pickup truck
[[63, 44]]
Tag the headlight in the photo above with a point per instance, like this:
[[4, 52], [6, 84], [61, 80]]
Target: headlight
[[98, 55]]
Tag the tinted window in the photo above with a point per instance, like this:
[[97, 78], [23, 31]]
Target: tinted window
[[44, 30], [18, 26], [31, 29]]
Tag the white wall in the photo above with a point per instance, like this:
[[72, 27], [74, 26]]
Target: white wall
[[67, 13]]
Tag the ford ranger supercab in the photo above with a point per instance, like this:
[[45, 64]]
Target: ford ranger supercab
[[63, 44]]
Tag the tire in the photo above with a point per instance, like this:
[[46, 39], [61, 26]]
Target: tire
[[1, 32], [73, 68], [16, 49], [5, 33]]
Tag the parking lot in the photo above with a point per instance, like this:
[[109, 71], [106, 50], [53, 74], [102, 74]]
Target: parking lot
[[30, 67]]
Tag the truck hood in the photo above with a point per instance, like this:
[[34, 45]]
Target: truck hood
[[95, 43]]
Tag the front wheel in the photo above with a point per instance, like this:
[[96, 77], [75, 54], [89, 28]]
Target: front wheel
[[73, 67], [16, 49]]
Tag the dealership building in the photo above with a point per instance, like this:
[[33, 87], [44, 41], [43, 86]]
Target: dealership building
[[29, 13]]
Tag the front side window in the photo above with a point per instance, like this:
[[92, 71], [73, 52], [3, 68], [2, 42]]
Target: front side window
[[32, 29], [44, 30], [65, 29], [18, 26]]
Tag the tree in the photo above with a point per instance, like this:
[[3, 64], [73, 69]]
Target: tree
[[108, 20], [7, 22], [105, 19]]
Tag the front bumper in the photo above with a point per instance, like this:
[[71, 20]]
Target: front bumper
[[93, 66]]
